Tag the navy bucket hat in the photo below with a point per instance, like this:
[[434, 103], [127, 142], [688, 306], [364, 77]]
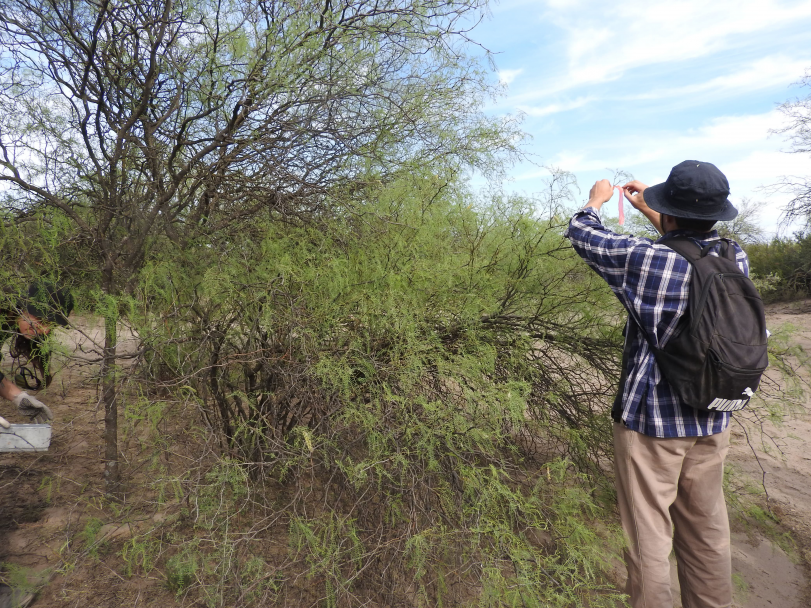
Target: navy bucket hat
[[694, 190]]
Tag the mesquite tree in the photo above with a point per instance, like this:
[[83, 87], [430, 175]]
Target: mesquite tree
[[798, 128], [170, 119]]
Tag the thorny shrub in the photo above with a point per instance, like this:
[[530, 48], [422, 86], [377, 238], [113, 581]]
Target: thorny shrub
[[407, 387]]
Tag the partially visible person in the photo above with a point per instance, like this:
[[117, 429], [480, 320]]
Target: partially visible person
[[669, 457], [27, 325]]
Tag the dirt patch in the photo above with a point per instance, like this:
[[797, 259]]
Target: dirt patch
[[770, 455], [19, 500]]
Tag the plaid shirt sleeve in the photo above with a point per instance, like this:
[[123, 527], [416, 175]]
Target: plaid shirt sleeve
[[605, 251], [652, 280]]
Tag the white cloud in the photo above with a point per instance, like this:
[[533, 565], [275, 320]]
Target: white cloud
[[506, 6], [771, 72], [768, 72], [554, 108], [767, 166], [724, 140], [606, 39], [507, 76], [733, 131]]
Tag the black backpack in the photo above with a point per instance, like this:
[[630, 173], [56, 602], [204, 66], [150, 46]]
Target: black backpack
[[717, 355]]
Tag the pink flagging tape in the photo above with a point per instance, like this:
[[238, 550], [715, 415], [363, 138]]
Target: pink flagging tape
[[622, 211]]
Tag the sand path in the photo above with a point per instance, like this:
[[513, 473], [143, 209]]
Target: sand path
[[779, 458]]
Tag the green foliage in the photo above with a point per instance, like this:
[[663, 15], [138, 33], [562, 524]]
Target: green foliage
[[740, 585], [402, 376], [635, 223], [224, 113], [89, 536], [333, 551], [50, 485], [784, 265], [181, 569], [224, 487], [19, 578], [408, 382], [258, 581], [746, 228], [38, 248], [140, 553], [749, 510]]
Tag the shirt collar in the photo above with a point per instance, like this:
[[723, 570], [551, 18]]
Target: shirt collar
[[712, 235]]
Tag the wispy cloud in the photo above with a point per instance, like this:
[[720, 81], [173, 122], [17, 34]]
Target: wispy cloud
[[766, 165], [606, 39], [733, 131], [720, 138], [507, 76], [554, 108], [769, 72]]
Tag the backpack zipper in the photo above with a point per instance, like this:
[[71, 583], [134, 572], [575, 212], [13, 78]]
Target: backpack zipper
[[716, 360]]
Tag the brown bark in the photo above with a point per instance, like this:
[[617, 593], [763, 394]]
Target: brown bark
[[109, 396]]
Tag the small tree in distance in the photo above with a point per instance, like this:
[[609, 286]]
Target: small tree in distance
[[798, 127], [745, 228]]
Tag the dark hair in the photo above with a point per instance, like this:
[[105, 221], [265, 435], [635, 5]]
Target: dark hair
[[26, 350], [695, 225]]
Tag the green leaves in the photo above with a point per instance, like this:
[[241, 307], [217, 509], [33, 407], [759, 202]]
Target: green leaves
[[410, 368]]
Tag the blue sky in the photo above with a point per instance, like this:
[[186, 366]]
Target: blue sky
[[642, 85]]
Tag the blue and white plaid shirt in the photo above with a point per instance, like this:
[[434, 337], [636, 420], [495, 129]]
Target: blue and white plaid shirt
[[654, 280]]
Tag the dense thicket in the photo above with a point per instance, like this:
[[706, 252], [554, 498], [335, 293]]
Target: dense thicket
[[396, 382], [163, 119], [783, 266], [403, 377]]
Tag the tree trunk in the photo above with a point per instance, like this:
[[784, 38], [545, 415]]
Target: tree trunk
[[109, 396]]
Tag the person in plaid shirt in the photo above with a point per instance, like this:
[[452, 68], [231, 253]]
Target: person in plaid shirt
[[669, 457]]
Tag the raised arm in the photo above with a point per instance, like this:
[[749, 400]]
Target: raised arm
[[601, 248]]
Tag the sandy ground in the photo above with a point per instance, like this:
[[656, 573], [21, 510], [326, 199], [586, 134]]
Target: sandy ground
[[775, 456], [46, 499]]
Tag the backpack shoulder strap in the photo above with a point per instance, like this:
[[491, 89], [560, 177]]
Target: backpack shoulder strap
[[685, 247], [692, 251]]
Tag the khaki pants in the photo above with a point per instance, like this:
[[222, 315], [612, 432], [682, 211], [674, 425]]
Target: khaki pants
[[670, 494]]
